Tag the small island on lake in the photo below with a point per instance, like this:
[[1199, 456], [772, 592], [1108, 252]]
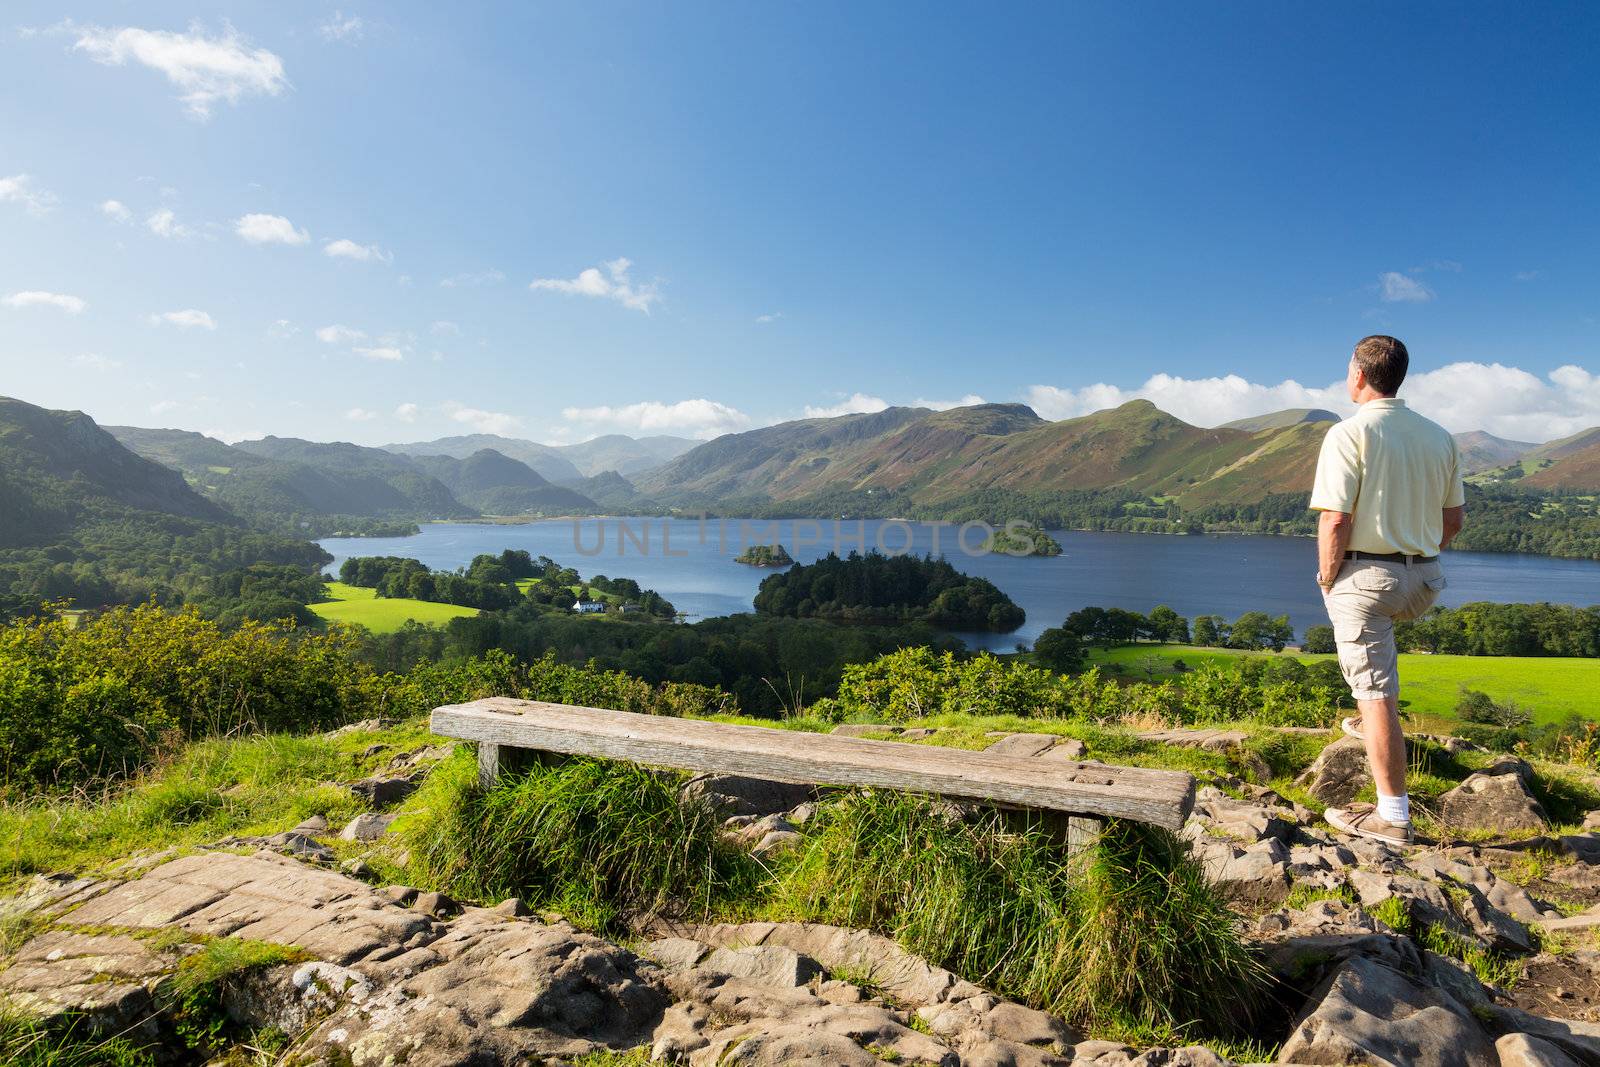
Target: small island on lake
[[765, 556], [1022, 541]]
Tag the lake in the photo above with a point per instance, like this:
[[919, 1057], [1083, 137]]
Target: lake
[[691, 564]]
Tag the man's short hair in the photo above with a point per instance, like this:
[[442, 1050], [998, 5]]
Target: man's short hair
[[1384, 360]]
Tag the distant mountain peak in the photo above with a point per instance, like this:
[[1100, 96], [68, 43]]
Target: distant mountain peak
[[1278, 420]]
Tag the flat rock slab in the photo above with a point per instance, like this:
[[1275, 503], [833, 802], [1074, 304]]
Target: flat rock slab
[[265, 897]]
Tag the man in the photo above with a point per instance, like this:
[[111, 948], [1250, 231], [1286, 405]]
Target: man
[[1389, 489]]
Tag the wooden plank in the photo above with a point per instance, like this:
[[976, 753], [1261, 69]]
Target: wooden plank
[[1162, 798]]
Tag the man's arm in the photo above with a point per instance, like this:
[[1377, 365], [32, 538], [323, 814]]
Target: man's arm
[[1333, 535], [1454, 519]]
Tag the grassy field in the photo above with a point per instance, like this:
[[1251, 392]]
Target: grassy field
[[1430, 685], [355, 604]]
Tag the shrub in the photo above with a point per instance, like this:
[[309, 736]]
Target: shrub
[[1478, 707], [108, 696]]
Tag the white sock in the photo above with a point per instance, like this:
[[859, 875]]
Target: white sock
[[1396, 811]]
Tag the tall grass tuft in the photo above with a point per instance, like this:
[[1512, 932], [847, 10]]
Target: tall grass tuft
[[596, 839], [1128, 935]]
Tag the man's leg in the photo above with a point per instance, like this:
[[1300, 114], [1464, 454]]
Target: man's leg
[[1386, 753]]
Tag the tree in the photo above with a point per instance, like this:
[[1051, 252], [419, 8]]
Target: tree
[[1059, 649], [1206, 632], [1168, 625], [1319, 640]]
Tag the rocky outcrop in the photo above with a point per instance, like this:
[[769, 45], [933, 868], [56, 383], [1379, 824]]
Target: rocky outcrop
[[1366, 1012], [1338, 774], [1493, 801]]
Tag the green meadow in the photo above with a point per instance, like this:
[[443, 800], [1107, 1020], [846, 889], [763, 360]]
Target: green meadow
[[1551, 688], [382, 615]]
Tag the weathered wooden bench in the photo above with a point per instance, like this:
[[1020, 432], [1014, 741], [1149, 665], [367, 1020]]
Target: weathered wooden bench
[[511, 732]]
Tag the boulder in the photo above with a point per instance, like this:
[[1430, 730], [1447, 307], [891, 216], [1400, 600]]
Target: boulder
[[1368, 1013], [1022, 745], [368, 826], [1498, 801], [734, 794], [1522, 1050], [1338, 773], [383, 790]]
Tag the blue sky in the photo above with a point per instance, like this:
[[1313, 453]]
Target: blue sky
[[790, 209]]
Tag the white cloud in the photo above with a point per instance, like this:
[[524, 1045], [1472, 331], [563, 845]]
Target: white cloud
[[470, 279], [96, 362], [360, 415], [771, 316], [484, 421], [164, 223], [338, 335], [407, 412], [1396, 288], [382, 353], [854, 404], [115, 210], [187, 319], [945, 405], [260, 229], [343, 28], [1527, 275], [1506, 401], [163, 406], [613, 284], [72, 305], [19, 189], [345, 248], [694, 418], [282, 329], [206, 70], [445, 328]]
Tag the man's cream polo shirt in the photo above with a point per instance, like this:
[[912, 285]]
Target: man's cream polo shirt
[[1395, 472]]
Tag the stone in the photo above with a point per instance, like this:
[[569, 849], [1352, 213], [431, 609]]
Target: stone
[[512, 908], [1338, 774], [1522, 1050], [382, 791], [768, 964], [776, 841], [1022, 745], [675, 953], [315, 826], [368, 826], [1192, 1056], [1368, 1013], [1066, 748], [1591, 821], [435, 904], [1258, 873], [361, 726], [864, 729], [1492, 802], [736, 795]]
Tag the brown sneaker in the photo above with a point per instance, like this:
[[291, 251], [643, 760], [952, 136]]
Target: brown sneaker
[[1352, 727], [1363, 820]]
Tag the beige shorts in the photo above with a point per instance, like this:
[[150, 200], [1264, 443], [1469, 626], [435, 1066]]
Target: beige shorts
[[1363, 605]]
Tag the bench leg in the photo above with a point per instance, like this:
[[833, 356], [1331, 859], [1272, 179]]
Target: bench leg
[[1083, 831], [495, 760]]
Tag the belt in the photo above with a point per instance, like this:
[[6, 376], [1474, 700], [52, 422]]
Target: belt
[[1391, 557]]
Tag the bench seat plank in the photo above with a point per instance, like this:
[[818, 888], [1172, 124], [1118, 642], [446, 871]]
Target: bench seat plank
[[1162, 798]]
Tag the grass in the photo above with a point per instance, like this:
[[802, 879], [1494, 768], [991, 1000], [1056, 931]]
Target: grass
[[1553, 687], [27, 1042], [591, 839], [210, 790], [1128, 936], [382, 615]]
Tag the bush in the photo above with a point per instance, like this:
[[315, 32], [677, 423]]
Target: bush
[[108, 696], [1478, 707]]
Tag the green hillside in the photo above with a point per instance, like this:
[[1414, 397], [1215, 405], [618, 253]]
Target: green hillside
[[382, 615], [81, 516], [496, 484]]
